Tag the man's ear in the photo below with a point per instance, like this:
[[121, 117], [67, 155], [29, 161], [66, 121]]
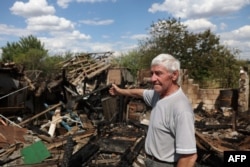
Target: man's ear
[[175, 75]]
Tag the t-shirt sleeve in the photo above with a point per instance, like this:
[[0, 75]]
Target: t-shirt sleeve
[[147, 97], [185, 133], [150, 97]]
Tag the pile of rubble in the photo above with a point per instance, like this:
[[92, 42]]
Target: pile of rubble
[[68, 121], [221, 130], [71, 120]]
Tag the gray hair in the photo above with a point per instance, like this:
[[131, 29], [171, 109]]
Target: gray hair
[[169, 62]]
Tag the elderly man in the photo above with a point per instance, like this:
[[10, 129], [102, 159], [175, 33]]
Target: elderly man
[[170, 140]]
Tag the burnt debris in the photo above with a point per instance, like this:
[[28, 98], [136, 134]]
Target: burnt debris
[[73, 121]]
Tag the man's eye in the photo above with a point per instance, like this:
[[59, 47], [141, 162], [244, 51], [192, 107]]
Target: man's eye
[[153, 73], [158, 73]]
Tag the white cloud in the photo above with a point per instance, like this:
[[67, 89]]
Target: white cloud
[[62, 41], [199, 25], [139, 36], [136, 36], [100, 47], [77, 34], [94, 1], [238, 39], [239, 45], [242, 33], [32, 8], [13, 31], [198, 8], [73, 35], [48, 23], [61, 44], [54, 44], [63, 3], [97, 22], [178, 8]]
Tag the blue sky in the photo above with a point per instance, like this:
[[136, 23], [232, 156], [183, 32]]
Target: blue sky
[[118, 25]]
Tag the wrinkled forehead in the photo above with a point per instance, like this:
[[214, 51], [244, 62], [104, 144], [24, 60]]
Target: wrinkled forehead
[[159, 67]]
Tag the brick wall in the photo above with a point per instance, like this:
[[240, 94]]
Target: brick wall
[[211, 99]]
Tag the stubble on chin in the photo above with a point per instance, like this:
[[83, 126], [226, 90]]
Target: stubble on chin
[[157, 88]]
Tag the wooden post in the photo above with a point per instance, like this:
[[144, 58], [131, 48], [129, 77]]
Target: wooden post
[[234, 120], [41, 113]]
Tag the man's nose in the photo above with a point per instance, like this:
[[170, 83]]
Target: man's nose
[[153, 77]]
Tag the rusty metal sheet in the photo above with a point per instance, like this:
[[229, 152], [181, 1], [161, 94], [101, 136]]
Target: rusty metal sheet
[[12, 134]]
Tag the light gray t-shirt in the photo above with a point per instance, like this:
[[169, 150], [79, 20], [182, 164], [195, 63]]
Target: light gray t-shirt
[[171, 127]]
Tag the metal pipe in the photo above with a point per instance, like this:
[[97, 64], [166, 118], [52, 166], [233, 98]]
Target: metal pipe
[[14, 92]]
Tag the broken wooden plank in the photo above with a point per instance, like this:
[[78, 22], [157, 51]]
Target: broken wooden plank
[[63, 141], [98, 71], [41, 113]]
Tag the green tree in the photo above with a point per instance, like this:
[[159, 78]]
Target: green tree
[[9, 51], [202, 54], [131, 61], [51, 65], [166, 36], [28, 51]]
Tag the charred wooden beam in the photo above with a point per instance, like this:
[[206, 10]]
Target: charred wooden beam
[[114, 145], [207, 144], [212, 127], [93, 92], [130, 155], [83, 155], [68, 150], [41, 113], [234, 120]]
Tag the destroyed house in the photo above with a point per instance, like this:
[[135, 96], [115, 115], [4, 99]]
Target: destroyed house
[[80, 124], [13, 90]]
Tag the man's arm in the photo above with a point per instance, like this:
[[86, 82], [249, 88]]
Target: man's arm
[[187, 160], [115, 90]]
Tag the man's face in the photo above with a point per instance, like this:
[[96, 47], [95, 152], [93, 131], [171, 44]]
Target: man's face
[[161, 79]]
